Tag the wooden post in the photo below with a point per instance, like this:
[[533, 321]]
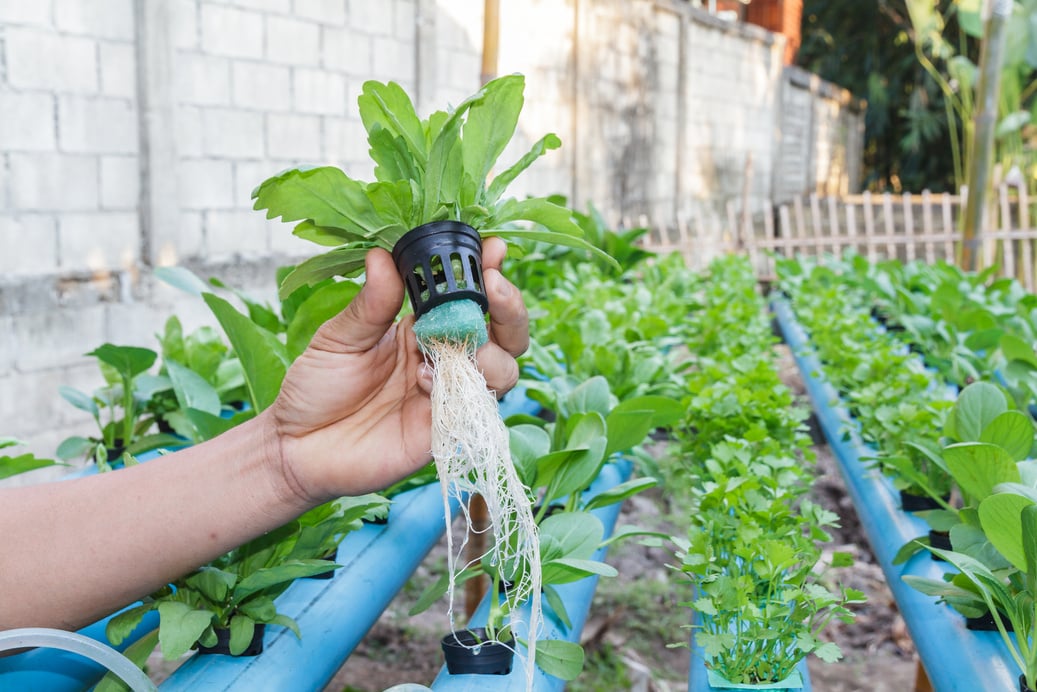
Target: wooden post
[[927, 227], [909, 228], [869, 226], [990, 58]]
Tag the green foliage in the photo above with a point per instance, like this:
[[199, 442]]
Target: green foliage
[[119, 409], [235, 592], [23, 463], [426, 170], [752, 550]]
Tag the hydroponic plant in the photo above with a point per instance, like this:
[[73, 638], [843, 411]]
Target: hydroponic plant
[[430, 203]]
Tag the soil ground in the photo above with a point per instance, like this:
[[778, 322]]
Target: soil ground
[[636, 615]]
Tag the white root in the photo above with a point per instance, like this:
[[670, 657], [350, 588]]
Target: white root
[[470, 444]]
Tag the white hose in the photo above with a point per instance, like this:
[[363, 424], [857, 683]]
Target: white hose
[[124, 668]]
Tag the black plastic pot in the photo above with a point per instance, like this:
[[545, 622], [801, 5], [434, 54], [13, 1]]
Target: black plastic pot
[[1023, 687], [910, 502], [222, 646], [330, 557], [439, 262], [985, 623], [465, 655], [941, 540]]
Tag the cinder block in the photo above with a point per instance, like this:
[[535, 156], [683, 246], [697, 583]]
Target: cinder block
[[98, 18], [261, 86], [189, 241], [37, 13], [35, 236], [53, 338], [232, 133], [7, 343], [331, 12], [283, 242], [70, 63], [318, 91], [120, 182], [184, 23], [118, 70], [53, 182], [393, 59], [97, 242], [188, 124], [97, 125], [28, 121], [135, 324], [371, 17], [275, 6], [232, 32], [205, 184], [295, 138], [235, 233], [202, 79], [248, 175], [347, 50], [345, 142], [405, 20], [292, 42]]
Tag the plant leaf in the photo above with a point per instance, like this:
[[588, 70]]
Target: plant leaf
[[138, 652], [322, 305], [263, 357], [560, 658], [324, 195], [180, 627], [343, 261]]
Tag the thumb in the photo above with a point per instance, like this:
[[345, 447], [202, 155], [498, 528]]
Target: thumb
[[370, 314]]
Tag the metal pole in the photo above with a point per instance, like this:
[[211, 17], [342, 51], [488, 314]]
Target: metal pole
[[990, 60]]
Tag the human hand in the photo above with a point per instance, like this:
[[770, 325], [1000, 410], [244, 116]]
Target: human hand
[[354, 415]]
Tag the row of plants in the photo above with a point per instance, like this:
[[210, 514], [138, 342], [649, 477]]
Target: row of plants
[[981, 443], [752, 553], [197, 385], [968, 325]]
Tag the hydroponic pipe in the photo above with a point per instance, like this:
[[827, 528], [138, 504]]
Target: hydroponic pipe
[[577, 597], [955, 658], [73, 642], [335, 615]]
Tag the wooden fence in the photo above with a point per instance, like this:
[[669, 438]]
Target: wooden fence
[[907, 227]]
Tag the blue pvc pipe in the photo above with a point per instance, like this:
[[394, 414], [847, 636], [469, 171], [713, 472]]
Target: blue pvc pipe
[[577, 597], [346, 606], [335, 615], [955, 658]]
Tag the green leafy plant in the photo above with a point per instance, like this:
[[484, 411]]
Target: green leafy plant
[[119, 408], [425, 170], [22, 463], [235, 592]]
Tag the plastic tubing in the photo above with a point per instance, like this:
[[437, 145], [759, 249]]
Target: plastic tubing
[[956, 659], [29, 637]]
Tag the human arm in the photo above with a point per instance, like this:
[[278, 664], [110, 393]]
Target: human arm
[[353, 416]]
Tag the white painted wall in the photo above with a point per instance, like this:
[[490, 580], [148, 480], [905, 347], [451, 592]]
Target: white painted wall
[[133, 131]]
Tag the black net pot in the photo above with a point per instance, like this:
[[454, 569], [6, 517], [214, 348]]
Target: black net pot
[[986, 623], [439, 262], [466, 656], [222, 646], [1023, 687], [910, 502], [941, 540]]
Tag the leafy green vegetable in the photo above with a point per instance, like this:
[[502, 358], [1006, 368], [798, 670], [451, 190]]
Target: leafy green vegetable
[[426, 170]]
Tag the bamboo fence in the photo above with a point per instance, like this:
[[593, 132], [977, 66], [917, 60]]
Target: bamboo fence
[[907, 227]]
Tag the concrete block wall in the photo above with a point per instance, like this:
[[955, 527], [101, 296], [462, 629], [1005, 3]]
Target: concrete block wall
[[132, 133]]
